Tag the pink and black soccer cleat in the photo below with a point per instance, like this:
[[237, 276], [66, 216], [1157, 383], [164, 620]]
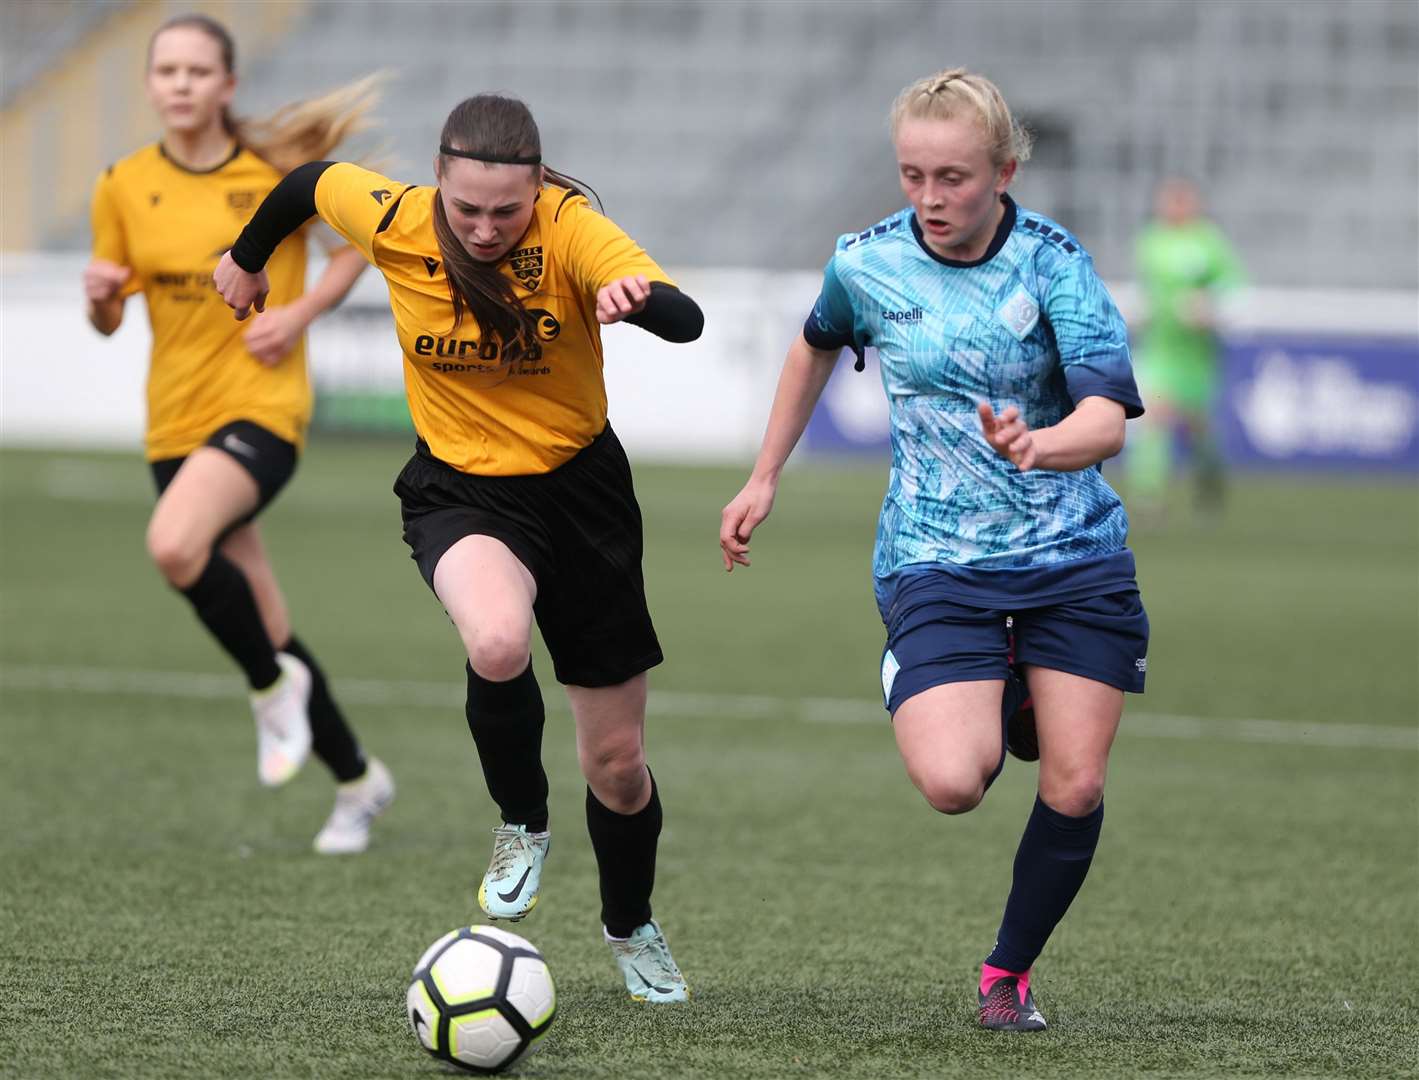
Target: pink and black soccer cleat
[[1004, 1008]]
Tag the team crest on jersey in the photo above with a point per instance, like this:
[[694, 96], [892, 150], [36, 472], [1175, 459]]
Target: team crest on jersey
[[1019, 314], [527, 267], [242, 203]]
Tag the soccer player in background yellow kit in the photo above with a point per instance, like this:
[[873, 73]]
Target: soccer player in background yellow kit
[[227, 411], [518, 502]]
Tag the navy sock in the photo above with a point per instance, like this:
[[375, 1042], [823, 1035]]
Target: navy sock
[[223, 600], [625, 846], [1050, 864], [332, 740], [506, 721]]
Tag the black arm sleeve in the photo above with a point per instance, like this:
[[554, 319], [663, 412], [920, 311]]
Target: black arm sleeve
[[669, 314], [290, 205]]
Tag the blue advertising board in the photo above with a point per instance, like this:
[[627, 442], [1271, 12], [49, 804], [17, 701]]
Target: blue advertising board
[[1298, 401]]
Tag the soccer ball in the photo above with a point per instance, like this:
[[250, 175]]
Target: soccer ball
[[481, 997]]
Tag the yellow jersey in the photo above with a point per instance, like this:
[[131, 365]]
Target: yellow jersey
[[476, 412], [170, 226]]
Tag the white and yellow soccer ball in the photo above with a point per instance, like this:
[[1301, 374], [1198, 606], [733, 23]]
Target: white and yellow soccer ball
[[481, 998]]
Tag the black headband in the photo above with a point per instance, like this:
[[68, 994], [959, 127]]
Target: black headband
[[496, 159]]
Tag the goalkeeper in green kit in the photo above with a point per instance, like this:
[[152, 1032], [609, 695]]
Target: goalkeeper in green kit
[[1185, 267]]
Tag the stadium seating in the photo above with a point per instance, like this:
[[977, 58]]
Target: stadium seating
[[738, 133]]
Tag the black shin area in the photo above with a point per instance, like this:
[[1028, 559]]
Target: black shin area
[[625, 847], [506, 721], [223, 600], [332, 740]]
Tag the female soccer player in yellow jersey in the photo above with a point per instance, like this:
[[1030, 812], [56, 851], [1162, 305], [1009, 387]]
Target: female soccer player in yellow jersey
[[227, 411], [518, 501]]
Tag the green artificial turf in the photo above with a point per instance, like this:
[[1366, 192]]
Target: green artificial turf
[[1252, 909]]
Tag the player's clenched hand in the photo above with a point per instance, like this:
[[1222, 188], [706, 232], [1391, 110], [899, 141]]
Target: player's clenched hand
[[740, 518], [273, 334], [241, 291], [1008, 435], [623, 297], [103, 280]]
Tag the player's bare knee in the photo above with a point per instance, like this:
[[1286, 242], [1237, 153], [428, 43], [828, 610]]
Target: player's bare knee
[[1075, 795], [951, 793], [617, 775], [497, 655], [177, 558]]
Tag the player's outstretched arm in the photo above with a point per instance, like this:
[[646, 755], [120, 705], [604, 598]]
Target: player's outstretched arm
[[240, 276], [652, 305], [1093, 432], [805, 373]]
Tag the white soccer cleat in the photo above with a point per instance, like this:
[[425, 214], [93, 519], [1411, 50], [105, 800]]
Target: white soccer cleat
[[647, 966], [357, 804], [283, 722], [510, 888]]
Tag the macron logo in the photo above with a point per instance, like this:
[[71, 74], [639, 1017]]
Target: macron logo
[[912, 316]]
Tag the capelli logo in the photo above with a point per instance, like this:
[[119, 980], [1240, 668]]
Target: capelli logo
[[912, 316]]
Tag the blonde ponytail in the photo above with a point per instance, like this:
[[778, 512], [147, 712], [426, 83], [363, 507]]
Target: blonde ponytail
[[309, 130]]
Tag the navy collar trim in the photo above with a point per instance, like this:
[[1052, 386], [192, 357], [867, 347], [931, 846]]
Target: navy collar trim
[[1002, 234]]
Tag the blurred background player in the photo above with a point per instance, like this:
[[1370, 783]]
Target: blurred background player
[[518, 501], [1007, 371], [227, 409], [1185, 269]]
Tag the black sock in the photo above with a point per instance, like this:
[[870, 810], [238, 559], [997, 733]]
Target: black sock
[[223, 600], [333, 741], [625, 860], [506, 720], [1011, 698], [1050, 864]]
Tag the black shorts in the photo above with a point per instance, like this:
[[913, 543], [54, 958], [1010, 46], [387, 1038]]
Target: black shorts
[[577, 529], [270, 459]]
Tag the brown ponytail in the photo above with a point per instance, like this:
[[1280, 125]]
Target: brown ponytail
[[294, 134], [494, 126]]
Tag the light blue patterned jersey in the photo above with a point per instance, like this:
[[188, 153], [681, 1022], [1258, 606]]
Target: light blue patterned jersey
[[1029, 324]]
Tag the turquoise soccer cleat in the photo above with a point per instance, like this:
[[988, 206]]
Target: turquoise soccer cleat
[[509, 888], [648, 967]]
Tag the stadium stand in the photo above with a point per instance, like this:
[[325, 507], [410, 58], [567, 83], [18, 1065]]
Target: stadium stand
[[738, 133]]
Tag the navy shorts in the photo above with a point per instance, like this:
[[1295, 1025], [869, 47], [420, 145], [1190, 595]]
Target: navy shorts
[[270, 460], [933, 640]]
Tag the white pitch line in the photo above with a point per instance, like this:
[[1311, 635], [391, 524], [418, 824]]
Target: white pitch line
[[449, 695]]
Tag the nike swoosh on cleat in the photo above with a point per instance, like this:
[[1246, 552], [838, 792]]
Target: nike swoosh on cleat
[[509, 897], [650, 985]]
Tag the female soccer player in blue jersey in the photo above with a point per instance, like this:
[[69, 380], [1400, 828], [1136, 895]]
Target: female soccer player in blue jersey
[[1007, 370]]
